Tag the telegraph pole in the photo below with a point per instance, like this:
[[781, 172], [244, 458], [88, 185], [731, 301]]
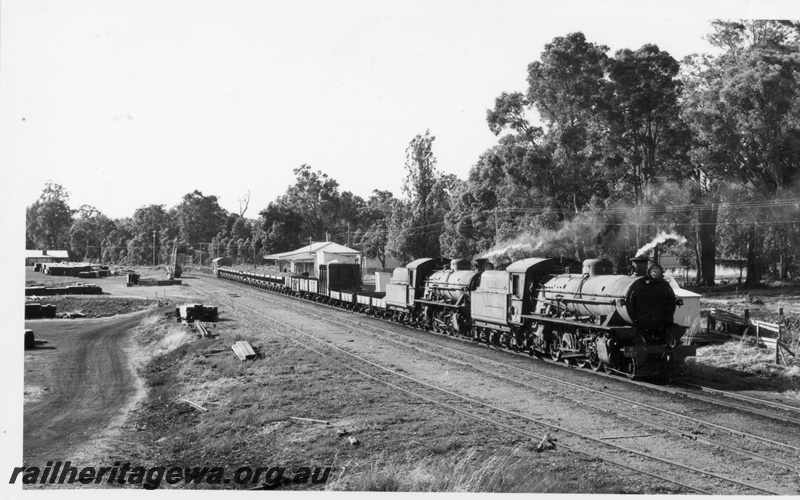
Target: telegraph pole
[[496, 235], [154, 247]]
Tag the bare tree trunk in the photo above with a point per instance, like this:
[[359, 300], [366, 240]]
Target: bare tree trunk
[[698, 262], [707, 218], [754, 244]]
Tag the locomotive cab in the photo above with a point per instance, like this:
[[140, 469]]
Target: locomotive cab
[[408, 283], [504, 298]]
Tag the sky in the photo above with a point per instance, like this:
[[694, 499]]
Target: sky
[[132, 103]]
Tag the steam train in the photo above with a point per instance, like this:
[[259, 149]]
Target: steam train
[[576, 313]]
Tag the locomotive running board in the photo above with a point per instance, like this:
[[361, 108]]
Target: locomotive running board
[[541, 317], [434, 303]]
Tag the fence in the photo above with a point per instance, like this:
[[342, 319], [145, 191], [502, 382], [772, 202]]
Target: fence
[[722, 326]]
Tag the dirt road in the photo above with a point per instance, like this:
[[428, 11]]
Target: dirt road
[[75, 385]]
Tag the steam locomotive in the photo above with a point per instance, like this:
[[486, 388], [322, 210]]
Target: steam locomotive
[[575, 313]]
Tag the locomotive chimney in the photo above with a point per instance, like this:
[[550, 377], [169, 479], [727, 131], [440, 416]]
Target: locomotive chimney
[[640, 265], [480, 264]]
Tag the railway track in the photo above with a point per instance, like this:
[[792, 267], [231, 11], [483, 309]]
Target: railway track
[[787, 454], [423, 390], [785, 413]]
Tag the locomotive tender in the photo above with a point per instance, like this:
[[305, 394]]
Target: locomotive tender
[[576, 313]]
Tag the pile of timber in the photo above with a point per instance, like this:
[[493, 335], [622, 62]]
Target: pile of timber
[[196, 312], [30, 340], [34, 310], [77, 289], [76, 270], [155, 282]]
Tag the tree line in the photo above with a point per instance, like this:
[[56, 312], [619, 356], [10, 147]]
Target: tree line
[[598, 155]]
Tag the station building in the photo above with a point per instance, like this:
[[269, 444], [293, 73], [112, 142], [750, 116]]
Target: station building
[[308, 258]]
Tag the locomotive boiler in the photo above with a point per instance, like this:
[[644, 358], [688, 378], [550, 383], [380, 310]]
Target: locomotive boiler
[[445, 303]]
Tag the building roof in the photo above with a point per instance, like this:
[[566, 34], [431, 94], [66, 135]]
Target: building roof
[[58, 254], [681, 292], [308, 252]]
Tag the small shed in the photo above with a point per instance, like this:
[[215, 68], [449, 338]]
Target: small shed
[[40, 256], [221, 262]]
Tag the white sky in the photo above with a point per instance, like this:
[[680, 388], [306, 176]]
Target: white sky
[[131, 103]]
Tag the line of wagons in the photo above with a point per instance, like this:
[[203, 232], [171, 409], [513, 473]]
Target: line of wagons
[[579, 313]]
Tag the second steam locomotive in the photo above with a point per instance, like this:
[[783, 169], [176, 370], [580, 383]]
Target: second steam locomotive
[[576, 313]]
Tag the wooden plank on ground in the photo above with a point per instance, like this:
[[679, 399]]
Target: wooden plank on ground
[[237, 349], [243, 350], [247, 349]]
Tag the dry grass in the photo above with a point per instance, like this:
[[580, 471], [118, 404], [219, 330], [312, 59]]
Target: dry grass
[[465, 471], [739, 364], [405, 445]]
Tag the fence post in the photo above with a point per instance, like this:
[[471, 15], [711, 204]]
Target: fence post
[[778, 345]]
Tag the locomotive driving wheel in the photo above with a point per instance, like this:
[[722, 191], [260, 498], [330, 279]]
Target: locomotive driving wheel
[[567, 346], [592, 359], [632, 369], [440, 322], [554, 345], [517, 340]]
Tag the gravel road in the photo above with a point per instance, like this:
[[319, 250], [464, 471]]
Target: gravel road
[[75, 385]]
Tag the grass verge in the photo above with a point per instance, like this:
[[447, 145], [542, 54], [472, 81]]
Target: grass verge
[[404, 444]]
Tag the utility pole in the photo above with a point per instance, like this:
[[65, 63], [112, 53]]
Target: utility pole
[[348, 235], [496, 234], [154, 247]]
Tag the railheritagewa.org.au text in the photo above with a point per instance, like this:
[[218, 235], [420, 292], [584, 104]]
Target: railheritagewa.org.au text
[[121, 473]]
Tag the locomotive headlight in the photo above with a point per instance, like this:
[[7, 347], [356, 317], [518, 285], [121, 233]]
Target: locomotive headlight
[[656, 272]]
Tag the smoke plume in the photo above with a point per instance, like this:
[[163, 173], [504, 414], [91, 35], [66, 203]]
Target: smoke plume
[[573, 239], [662, 237]]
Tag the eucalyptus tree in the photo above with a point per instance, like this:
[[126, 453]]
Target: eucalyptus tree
[[417, 221], [374, 217], [48, 219], [88, 231], [745, 110]]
